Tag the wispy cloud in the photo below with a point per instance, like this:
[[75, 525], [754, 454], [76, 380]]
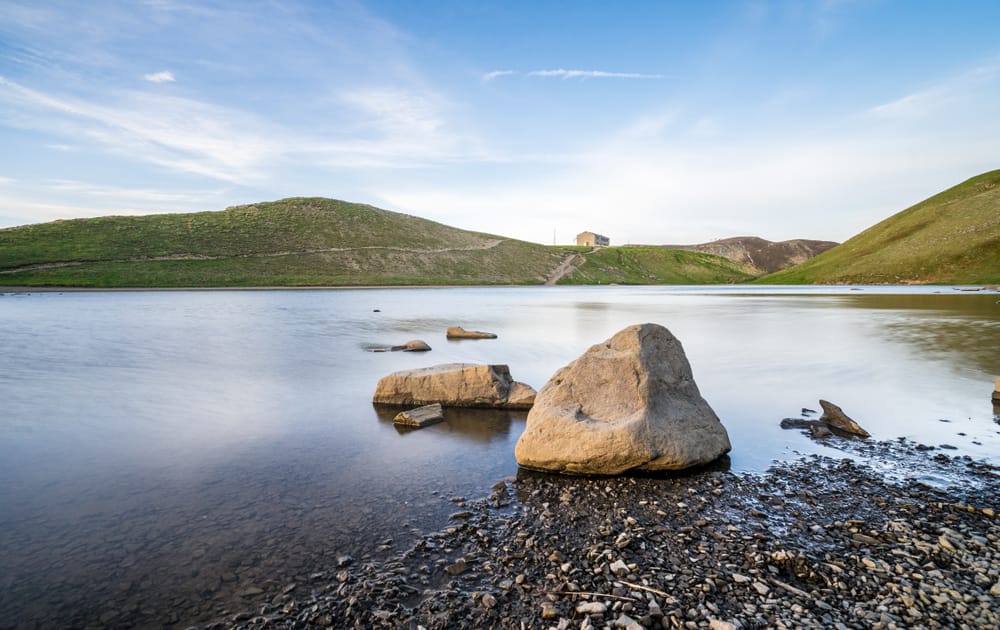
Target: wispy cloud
[[164, 76], [571, 74], [591, 74], [176, 133], [7, 181], [912, 105], [489, 76], [121, 194]]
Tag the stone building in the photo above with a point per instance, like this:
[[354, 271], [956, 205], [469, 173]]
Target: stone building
[[590, 239]]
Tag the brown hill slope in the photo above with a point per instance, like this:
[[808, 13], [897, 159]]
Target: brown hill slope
[[767, 256]]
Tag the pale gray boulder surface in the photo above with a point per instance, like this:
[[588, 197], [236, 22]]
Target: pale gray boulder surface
[[630, 403]]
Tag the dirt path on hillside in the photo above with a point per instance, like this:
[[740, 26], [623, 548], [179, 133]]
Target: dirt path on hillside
[[487, 244], [566, 267]]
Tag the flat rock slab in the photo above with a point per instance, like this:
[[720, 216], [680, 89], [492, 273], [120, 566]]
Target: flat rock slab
[[629, 403], [455, 385], [421, 416], [457, 332]]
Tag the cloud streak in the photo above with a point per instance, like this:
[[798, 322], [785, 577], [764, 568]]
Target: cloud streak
[[164, 76], [564, 74]]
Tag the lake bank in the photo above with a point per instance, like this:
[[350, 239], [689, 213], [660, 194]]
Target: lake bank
[[820, 542]]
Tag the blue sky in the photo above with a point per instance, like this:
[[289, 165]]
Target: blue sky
[[650, 122]]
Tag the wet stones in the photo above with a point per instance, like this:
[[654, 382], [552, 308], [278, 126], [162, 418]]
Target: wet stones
[[848, 548]]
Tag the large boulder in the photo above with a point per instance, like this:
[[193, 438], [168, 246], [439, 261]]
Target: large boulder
[[455, 385], [629, 403]]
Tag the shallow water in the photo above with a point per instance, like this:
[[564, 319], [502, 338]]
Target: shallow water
[[164, 455]]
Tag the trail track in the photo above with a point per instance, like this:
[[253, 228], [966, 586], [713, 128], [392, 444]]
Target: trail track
[[486, 244]]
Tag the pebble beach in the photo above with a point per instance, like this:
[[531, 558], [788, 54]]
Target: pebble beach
[[891, 535]]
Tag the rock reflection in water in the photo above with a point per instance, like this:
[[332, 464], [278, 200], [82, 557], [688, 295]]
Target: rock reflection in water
[[477, 425]]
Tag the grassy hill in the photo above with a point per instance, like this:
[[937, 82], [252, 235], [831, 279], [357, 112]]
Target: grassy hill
[[657, 265], [293, 242], [950, 238], [313, 242]]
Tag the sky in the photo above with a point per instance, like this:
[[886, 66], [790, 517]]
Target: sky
[[650, 122]]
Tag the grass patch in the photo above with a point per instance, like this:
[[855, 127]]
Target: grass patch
[[657, 265]]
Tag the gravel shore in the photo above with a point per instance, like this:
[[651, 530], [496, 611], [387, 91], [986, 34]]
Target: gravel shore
[[892, 535]]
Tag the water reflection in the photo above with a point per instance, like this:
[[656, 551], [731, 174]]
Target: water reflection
[[483, 426]]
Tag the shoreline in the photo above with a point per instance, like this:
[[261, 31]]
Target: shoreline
[[822, 542], [762, 288]]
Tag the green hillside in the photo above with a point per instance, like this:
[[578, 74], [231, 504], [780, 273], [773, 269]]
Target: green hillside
[[657, 265], [951, 238], [317, 242], [292, 242]]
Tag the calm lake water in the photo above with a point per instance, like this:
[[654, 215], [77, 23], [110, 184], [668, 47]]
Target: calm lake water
[[166, 456]]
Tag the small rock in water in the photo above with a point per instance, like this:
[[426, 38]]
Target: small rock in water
[[457, 332], [421, 416], [837, 419], [488, 600], [343, 561], [458, 567]]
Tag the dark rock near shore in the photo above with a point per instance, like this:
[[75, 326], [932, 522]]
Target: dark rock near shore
[[629, 403], [835, 417], [414, 345], [833, 422]]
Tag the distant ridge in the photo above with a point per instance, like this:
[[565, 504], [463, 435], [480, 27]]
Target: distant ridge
[[761, 254], [950, 238]]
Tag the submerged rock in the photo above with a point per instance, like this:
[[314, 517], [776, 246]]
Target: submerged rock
[[835, 417], [457, 332], [421, 416], [628, 403], [455, 385]]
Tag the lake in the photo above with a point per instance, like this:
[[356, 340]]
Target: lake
[[169, 455]]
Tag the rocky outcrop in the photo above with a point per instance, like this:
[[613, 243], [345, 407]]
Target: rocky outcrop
[[457, 332], [421, 416], [628, 403], [455, 385]]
